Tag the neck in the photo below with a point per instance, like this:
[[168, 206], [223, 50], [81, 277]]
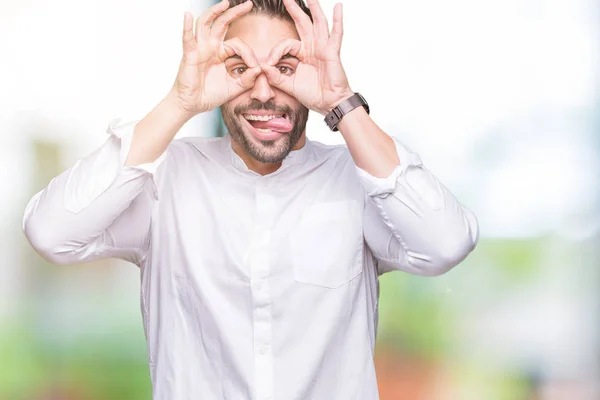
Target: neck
[[260, 167]]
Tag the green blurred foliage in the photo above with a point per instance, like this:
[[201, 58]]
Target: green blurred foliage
[[111, 369]]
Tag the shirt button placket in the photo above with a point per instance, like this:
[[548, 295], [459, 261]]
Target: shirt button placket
[[259, 273]]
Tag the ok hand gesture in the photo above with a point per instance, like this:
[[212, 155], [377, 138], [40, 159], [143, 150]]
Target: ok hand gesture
[[319, 81], [203, 82]]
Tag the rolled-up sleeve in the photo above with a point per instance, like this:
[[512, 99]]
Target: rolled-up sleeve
[[97, 208], [412, 222]]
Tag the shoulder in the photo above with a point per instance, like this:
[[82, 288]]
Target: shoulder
[[192, 155], [202, 144], [201, 148]]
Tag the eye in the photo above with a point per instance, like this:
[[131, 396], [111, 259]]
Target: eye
[[239, 70], [285, 70]]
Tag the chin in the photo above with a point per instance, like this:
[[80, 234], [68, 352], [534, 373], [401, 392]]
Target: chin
[[247, 126], [266, 151]]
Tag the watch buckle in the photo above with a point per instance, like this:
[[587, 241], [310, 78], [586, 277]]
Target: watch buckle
[[338, 112]]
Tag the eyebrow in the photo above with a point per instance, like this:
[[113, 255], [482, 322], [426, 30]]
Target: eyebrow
[[288, 55], [284, 57], [234, 57]]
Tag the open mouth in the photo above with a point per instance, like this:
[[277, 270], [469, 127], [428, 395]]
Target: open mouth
[[268, 122]]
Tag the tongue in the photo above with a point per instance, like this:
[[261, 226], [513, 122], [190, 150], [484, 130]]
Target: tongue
[[275, 124]]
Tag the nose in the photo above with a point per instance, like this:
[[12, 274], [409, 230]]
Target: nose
[[262, 91]]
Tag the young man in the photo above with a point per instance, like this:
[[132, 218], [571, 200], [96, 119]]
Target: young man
[[259, 252]]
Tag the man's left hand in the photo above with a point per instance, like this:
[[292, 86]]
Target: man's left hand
[[314, 74]]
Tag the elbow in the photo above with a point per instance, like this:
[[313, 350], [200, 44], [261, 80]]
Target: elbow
[[41, 231], [44, 240], [443, 259], [452, 249], [450, 255]]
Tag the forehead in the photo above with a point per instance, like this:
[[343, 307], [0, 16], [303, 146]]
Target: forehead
[[261, 32]]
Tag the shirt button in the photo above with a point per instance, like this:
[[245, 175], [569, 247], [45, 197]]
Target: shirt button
[[263, 349], [258, 285]]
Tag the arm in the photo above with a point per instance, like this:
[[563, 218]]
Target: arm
[[203, 82], [412, 222], [102, 206]]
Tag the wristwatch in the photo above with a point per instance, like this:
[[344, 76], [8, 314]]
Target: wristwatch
[[333, 118]]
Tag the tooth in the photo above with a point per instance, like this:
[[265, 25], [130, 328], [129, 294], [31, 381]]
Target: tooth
[[251, 117]]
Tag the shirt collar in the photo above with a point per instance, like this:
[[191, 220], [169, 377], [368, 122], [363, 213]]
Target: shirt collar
[[295, 157]]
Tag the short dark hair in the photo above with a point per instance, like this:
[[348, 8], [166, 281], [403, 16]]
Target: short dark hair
[[272, 8]]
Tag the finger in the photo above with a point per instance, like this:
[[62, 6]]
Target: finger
[[237, 46], [279, 80], [320, 21], [286, 46], [189, 43], [220, 25], [246, 81], [338, 26], [205, 20], [301, 19]]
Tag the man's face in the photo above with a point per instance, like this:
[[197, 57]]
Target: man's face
[[244, 116]]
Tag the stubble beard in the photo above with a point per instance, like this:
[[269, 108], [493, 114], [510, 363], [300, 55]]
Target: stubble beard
[[265, 151]]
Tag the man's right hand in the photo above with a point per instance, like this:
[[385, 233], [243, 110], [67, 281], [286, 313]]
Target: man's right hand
[[203, 82]]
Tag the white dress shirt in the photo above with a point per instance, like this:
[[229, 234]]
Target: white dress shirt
[[253, 287]]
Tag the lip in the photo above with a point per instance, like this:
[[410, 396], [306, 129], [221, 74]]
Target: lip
[[273, 135]]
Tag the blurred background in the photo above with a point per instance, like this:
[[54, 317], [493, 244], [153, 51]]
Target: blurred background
[[499, 97]]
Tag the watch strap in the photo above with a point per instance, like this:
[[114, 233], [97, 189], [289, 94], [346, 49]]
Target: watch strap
[[334, 117]]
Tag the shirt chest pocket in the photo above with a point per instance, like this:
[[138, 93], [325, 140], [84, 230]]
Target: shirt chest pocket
[[327, 244]]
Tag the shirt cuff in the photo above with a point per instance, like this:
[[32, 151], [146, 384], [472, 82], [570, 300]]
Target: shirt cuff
[[91, 176], [124, 131], [382, 187]]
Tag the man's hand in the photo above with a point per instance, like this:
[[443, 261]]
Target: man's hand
[[319, 81], [203, 82]]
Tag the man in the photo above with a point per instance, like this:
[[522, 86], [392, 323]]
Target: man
[[259, 252]]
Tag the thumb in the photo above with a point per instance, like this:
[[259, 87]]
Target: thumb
[[279, 80]]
